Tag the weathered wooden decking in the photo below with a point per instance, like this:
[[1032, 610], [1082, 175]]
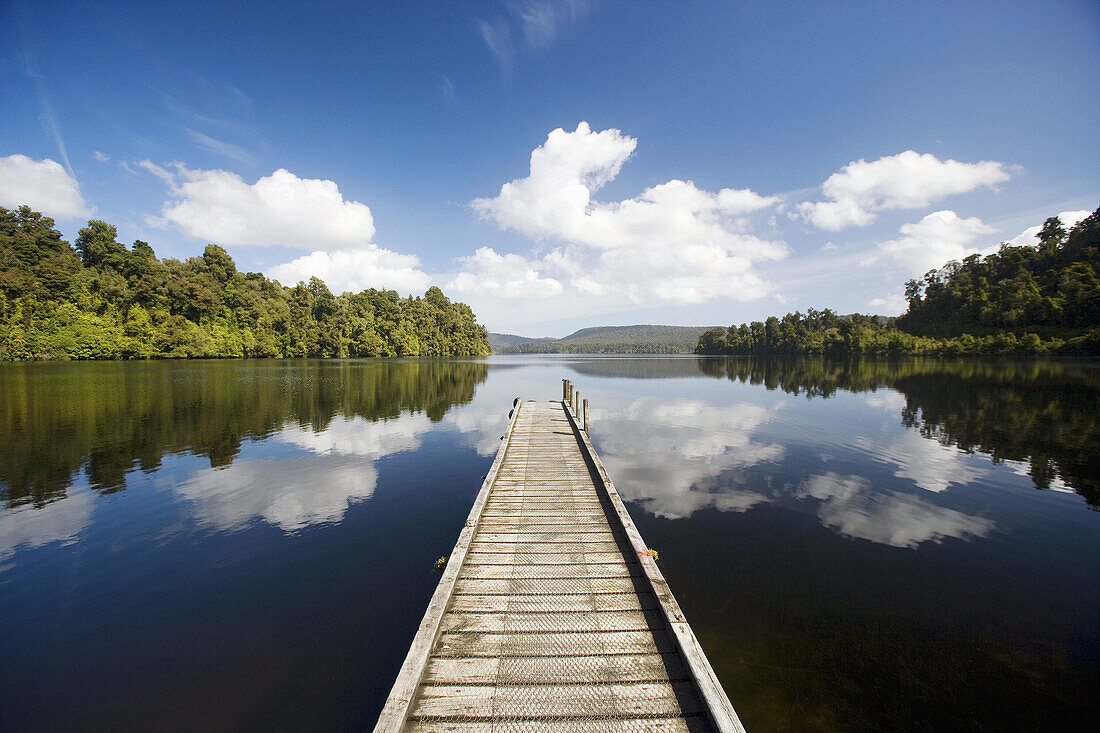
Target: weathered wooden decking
[[550, 615]]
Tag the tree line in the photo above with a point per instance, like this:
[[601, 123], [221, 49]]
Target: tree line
[[102, 300], [1021, 300]]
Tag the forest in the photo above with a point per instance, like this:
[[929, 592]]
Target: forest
[[1021, 300], [102, 300]]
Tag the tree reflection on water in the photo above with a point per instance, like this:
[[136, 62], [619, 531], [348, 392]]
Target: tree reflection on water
[[108, 419], [1043, 413]]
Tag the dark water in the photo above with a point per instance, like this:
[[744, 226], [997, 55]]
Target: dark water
[[249, 546]]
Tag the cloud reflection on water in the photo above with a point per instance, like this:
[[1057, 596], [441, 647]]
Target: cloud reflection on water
[[674, 458], [314, 484], [852, 506], [926, 462], [677, 457], [58, 521]]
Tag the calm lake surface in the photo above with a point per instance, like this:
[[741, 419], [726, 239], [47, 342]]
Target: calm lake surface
[[250, 545]]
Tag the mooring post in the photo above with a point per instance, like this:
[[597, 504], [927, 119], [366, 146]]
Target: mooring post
[[576, 405], [586, 417], [564, 388]]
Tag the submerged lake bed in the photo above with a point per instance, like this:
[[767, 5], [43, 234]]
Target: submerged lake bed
[[863, 545]]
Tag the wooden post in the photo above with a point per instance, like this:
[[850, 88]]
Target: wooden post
[[586, 417], [564, 388], [576, 404]]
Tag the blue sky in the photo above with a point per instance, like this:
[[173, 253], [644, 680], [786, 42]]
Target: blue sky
[[713, 162]]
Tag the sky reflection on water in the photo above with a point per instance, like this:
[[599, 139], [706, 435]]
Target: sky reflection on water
[[248, 517]]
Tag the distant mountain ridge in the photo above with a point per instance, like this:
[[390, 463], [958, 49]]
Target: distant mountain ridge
[[638, 339]]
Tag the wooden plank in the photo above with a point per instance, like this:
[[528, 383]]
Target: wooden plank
[[575, 570], [545, 586], [520, 557], [671, 724], [495, 521], [561, 538], [543, 548], [470, 644], [503, 623], [562, 603], [535, 670], [565, 701]]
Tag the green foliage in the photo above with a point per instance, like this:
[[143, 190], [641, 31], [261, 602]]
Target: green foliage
[[1023, 301], [104, 301], [1051, 291]]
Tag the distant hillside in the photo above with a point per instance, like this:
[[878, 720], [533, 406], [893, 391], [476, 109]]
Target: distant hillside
[[642, 339], [501, 341]]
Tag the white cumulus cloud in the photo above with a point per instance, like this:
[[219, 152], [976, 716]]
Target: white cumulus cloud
[[674, 242], [510, 276], [908, 180], [285, 210], [280, 209], [933, 241], [356, 269], [44, 185]]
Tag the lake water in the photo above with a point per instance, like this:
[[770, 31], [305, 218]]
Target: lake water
[[250, 545]]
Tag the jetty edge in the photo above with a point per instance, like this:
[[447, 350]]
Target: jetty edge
[[562, 620]]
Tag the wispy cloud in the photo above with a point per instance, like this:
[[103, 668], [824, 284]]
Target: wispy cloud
[[47, 117], [540, 21], [498, 37], [446, 87], [159, 171], [536, 23], [220, 147], [229, 103]]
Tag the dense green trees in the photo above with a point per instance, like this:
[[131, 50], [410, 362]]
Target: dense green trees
[[104, 301], [815, 332], [1052, 290], [1021, 300]]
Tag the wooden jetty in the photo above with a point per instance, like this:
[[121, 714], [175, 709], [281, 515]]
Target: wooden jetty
[[551, 614]]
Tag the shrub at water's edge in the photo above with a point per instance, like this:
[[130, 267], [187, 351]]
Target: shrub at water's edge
[[104, 301], [1021, 300]]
